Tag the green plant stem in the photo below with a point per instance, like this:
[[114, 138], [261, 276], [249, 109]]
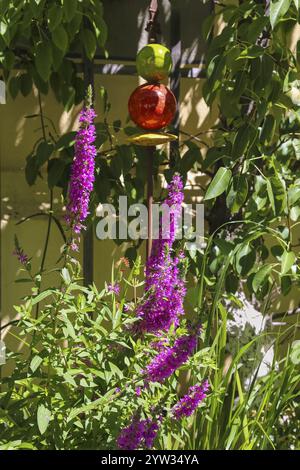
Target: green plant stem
[[46, 245]]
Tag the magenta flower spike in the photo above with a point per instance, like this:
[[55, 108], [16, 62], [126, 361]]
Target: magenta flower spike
[[82, 171], [190, 402], [171, 358], [139, 433], [164, 287]]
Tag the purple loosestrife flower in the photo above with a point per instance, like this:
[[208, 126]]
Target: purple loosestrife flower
[[22, 257], [169, 359], [82, 171], [113, 289], [150, 433], [139, 433], [164, 287], [188, 404], [160, 344]]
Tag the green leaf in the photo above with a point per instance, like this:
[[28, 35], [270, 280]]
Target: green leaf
[[285, 284], [115, 369], [261, 277], [268, 129], [41, 297], [293, 194], [295, 213], [255, 28], [237, 194], [68, 329], [104, 99], [43, 60], [245, 259], [241, 141], [231, 283], [69, 379], [298, 54], [35, 363], [17, 281], [131, 254], [126, 158], [240, 84], [101, 31], [54, 16], [89, 42], [102, 188], [70, 7], [277, 194], [278, 9], [55, 171], [219, 183], [66, 276], [60, 38], [99, 403], [43, 153], [295, 352], [14, 87], [212, 156], [25, 84], [117, 125], [65, 141], [287, 261], [43, 418], [31, 169], [188, 160]]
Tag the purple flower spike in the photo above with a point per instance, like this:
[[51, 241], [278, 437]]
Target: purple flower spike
[[164, 285], [113, 289], [138, 434], [189, 403], [82, 171], [22, 257], [169, 359]]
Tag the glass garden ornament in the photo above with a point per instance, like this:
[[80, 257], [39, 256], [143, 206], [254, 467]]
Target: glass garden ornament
[[152, 106], [154, 62]]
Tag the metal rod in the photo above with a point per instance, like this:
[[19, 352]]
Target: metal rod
[[191, 70], [153, 29], [150, 157], [176, 51]]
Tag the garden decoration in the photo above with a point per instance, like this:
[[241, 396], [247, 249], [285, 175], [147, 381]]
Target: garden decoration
[[154, 62], [152, 106]]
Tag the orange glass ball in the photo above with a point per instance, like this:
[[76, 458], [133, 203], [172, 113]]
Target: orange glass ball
[[152, 106]]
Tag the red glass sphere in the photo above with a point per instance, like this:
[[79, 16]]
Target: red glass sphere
[[152, 106]]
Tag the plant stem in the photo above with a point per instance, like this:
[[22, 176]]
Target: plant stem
[[50, 210]]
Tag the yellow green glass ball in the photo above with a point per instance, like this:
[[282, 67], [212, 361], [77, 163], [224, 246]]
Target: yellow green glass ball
[[154, 62]]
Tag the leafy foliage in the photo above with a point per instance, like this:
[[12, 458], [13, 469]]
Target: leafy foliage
[[40, 37], [79, 376], [252, 75]]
